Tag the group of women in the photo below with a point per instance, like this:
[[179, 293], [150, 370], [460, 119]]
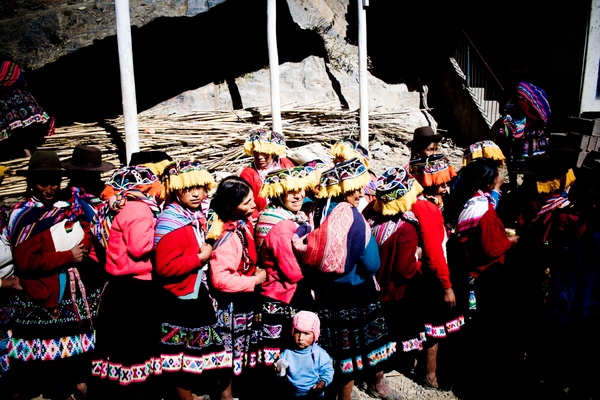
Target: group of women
[[169, 285]]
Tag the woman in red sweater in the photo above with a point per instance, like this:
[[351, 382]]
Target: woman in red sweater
[[53, 334], [190, 345], [477, 251], [268, 150], [396, 230], [434, 173]]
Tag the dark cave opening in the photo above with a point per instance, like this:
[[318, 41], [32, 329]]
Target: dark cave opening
[[170, 56]]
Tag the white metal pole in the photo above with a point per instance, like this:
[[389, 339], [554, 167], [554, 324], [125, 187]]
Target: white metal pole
[[132, 141], [274, 65], [363, 78]]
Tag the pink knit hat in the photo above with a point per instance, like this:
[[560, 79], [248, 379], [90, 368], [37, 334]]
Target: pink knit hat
[[307, 321]]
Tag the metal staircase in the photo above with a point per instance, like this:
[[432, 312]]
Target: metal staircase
[[477, 78]]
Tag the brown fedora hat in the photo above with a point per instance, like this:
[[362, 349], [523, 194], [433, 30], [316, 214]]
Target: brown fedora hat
[[86, 158], [424, 134], [43, 161]]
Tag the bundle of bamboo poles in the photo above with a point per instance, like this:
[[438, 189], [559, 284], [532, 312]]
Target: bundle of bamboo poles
[[215, 137]]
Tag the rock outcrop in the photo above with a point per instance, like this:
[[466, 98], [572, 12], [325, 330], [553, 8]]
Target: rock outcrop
[[37, 33]]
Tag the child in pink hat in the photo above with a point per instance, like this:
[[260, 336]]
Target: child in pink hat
[[306, 365]]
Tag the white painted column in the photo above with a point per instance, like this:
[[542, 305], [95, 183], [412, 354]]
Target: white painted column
[[132, 141], [274, 65], [363, 77]]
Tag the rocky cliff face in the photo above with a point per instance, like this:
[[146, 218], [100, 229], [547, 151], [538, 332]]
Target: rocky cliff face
[[69, 51]]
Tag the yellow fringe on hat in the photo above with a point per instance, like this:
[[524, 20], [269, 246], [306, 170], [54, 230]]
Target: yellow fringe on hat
[[358, 182], [345, 186], [401, 205], [491, 152], [439, 178], [275, 190], [329, 191], [347, 153], [189, 179], [260, 146], [157, 168], [557, 184], [215, 230]]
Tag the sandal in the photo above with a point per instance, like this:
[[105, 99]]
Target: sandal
[[428, 385]]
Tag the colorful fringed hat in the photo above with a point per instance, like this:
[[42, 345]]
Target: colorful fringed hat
[[348, 149], [433, 170], [397, 191], [284, 180], [343, 178], [483, 149], [184, 174], [265, 141], [315, 168], [553, 171], [130, 177], [156, 160]]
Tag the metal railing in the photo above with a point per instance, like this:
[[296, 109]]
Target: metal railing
[[484, 87]]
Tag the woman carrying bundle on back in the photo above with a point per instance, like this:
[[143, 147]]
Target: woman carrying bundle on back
[[190, 346]]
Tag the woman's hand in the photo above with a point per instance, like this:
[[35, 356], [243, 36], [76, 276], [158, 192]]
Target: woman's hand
[[260, 276], [449, 297], [205, 252], [513, 239], [10, 283], [79, 252]]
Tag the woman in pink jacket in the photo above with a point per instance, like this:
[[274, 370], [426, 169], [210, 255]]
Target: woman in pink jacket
[[284, 293], [128, 330], [234, 276]]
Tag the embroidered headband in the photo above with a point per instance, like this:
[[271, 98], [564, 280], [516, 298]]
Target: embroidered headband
[[265, 141], [129, 177], [433, 170], [396, 192], [315, 168], [343, 178]]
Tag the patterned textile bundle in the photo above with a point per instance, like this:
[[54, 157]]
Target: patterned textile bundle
[[270, 216], [173, 217], [536, 97], [396, 192], [483, 149], [265, 141], [473, 211], [433, 170], [348, 149], [343, 178], [326, 248]]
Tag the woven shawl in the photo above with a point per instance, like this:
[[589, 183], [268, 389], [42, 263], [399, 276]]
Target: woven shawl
[[327, 246]]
